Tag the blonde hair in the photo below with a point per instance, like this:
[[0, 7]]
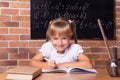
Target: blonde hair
[[62, 26]]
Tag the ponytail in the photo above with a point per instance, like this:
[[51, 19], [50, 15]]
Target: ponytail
[[73, 28]]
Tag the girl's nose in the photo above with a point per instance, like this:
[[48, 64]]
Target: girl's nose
[[59, 42]]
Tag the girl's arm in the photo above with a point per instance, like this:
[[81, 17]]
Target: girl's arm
[[83, 62], [38, 61]]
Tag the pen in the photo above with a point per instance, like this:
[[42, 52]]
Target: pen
[[46, 59]]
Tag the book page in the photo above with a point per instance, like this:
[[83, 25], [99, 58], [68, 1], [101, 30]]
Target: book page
[[55, 70], [68, 70], [82, 70]]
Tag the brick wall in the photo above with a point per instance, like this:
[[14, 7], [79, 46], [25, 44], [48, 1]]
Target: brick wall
[[16, 47]]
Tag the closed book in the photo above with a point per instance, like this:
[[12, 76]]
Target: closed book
[[23, 73]]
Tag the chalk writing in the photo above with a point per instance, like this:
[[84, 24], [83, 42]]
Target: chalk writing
[[84, 12]]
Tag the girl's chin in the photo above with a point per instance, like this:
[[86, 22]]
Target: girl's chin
[[59, 51]]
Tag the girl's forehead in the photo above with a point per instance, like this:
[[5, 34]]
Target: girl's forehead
[[59, 35]]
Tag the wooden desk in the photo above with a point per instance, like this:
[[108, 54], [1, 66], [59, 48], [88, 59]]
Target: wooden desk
[[101, 75]]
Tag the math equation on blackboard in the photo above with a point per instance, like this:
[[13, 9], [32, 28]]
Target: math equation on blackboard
[[84, 12]]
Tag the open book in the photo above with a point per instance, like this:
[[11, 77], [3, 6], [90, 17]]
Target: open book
[[69, 70]]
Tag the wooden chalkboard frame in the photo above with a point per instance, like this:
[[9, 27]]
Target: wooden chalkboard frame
[[84, 12]]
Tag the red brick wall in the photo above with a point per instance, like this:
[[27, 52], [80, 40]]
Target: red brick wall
[[16, 47]]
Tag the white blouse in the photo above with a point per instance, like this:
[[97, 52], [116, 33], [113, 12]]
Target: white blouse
[[70, 55]]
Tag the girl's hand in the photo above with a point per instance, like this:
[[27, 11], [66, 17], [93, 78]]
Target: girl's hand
[[62, 65], [51, 64]]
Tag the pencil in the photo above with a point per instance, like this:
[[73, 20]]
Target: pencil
[[46, 59]]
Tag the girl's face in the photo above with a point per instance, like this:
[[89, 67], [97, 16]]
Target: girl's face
[[60, 43]]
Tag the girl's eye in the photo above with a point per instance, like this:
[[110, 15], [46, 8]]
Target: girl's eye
[[55, 38], [65, 38]]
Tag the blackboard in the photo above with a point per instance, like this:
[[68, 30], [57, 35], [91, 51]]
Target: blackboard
[[84, 12]]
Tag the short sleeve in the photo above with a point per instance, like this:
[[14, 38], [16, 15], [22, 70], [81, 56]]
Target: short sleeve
[[80, 49], [45, 49], [76, 50]]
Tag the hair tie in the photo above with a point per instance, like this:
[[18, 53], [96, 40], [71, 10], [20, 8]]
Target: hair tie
[[50, 22], [70, 21]]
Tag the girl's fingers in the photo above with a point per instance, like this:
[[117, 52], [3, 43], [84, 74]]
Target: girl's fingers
[[51, 64]]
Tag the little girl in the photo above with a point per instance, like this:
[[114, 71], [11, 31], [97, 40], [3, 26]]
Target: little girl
[[58, 50]]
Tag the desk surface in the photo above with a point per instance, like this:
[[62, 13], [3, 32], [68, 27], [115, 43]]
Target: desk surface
[[101, 75]]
